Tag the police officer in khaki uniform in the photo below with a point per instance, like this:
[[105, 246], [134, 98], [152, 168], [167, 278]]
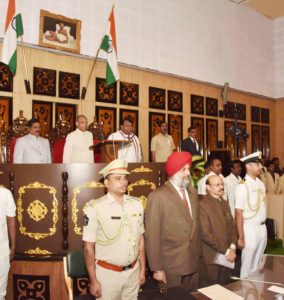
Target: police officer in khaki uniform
[[113, 227], [251, 215]]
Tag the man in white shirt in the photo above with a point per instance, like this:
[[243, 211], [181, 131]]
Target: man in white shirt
[[216, 169], [190, 144], [162, 144], [250, 215], [77, 145], [130, 150], [7, 236], [231, 182], [31, 148]]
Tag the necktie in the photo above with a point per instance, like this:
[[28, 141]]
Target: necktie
[[185, 201], [195, 144]]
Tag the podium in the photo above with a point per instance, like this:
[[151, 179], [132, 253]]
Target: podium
[[109, 149]]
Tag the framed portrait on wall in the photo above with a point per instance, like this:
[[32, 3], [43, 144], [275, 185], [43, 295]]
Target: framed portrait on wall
[[6, 111], [199, 124], [132, 115], [42, 110], [212, 133], [67, 112], [59, 32], [175, 125], [106, 117]]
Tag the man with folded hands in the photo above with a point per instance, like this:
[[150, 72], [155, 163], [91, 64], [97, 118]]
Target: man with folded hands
[[113, 238], [218, 235]]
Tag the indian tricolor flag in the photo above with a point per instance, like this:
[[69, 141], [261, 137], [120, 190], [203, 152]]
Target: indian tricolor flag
[[109, 45], [13, 29]]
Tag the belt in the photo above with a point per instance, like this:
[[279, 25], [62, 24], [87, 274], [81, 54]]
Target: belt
[[116, 268]]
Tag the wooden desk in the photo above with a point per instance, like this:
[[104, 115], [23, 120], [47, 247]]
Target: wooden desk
[[272, 270]]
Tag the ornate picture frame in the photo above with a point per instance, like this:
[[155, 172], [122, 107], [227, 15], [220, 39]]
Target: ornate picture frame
[[197, 104], [42, 110], [133, 115], [106, 94], [66, 111], [44, 82], [157, 98], [59, 32], [69, 85], [175, 101], [106, 117], [129, 94], [211, 107], [175, 125]]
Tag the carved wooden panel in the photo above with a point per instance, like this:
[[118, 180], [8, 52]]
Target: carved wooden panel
[[107, 94], [42, 110], [44, 82], [155, 119], [211, 133], [175, 128], [265, 115], [255, 114], [199, 124], [157, 98], [197, 104], [229, 143], [106, 116], [211, 107], [175, 100], [6, 111], [229, 110], [6, 78], [132, 115], [265, 141], [69, 85], [255, 138], [129, 94], [241, 109], [68, 112]]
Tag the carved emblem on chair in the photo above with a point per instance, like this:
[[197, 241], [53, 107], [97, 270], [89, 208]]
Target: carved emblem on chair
[[97, 130]]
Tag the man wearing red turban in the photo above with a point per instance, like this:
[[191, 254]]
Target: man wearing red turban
[[172, 227]]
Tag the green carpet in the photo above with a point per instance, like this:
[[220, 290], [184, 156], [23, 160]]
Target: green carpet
[[274, 247]]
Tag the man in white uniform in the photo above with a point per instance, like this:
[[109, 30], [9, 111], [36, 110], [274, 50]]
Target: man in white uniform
[[31, 148], [7, 236], [251, 215], [231, 182], [216, 169], [131, 149], [77, 145]]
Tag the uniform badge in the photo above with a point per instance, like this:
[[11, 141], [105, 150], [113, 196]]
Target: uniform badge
[[86, 220]]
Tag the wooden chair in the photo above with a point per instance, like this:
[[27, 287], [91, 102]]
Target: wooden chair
[[57, 138]]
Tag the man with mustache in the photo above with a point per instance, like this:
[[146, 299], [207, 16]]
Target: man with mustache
[[218, 235], [31, 148], [172, 229]]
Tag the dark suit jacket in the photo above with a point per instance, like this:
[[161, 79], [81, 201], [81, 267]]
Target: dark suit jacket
[[189, 146], [172, 236], [217, 227]]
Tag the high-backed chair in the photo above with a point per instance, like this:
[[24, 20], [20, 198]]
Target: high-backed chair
[[18, 129], [58, 137], [98, 135]]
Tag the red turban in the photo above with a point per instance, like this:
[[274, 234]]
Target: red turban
[[176, 161]]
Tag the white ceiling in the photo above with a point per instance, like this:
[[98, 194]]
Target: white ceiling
[[272, 9]]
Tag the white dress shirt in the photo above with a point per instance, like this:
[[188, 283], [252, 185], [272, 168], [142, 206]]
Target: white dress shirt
[[31, 149], [231, 182], [76, 148]]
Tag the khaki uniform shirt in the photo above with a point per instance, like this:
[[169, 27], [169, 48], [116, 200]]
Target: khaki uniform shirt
[[163, 146], [116, 229], [271, 185]]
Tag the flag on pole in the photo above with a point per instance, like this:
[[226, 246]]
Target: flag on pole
[[109, 46], [13, 30]]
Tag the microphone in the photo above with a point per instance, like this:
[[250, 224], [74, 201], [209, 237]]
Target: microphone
[[254, 280]]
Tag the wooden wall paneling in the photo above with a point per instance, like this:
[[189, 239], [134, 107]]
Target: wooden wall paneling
[[6, 111], [265, 141], [157, 98], [199, 124], [211, 133], [66, 111], [42, 110], [106, 116], [175, 124], [44, 82], [6, 78], [175, 101], [255, 138], [197, 104], [104, 93], [129, 94], [132, 115], [155, 119]]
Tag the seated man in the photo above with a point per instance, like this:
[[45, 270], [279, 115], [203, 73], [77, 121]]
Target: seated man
[[218, 235], [59, 35], [31, 148]]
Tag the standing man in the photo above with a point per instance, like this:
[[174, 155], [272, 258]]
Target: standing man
[[215, 169], [162, 144], [130, 150], [113, 238], [218, 235], [190, 144], [31, 148], [270, 179], [276, 162], [77, 145], [231, 182], [7, 236], [172, 227], [251, 215]]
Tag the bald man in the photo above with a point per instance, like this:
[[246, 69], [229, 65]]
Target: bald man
[[76, 149]]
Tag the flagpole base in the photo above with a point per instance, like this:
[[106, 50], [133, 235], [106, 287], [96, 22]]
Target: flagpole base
[[28, 86], [83, 93]]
